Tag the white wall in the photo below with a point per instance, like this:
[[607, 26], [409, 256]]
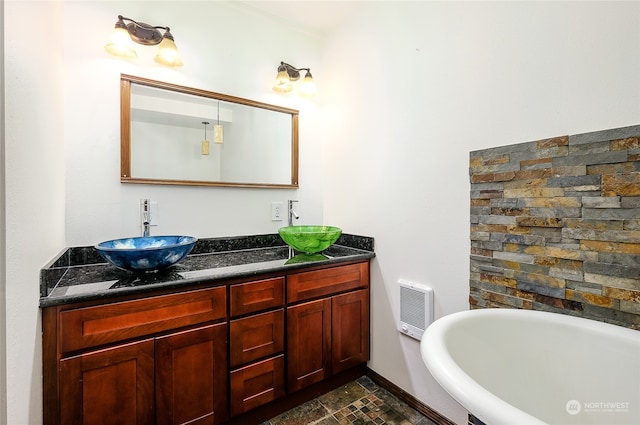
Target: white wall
[[412, 88], [34, 192]]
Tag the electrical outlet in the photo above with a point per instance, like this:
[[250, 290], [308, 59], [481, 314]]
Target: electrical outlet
[[277, 211]]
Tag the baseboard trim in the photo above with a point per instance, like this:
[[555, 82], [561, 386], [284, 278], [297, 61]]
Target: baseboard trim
[[408, 398]]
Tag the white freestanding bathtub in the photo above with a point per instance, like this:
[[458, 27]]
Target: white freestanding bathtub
[[517, 367]]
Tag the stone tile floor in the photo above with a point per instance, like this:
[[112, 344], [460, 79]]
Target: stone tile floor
[[358, 402]]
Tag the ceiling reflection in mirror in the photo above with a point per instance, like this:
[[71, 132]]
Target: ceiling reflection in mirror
[[169, 136]]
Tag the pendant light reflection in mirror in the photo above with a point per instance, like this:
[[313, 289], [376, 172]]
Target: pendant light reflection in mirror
[[204, 146], [218, 130]]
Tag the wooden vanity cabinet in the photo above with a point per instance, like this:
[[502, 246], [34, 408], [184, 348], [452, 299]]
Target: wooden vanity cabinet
[[204, 356], [331, 333], [157, 360]]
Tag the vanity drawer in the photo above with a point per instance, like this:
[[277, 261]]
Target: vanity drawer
[[256, 336], [92, 326], [255, 296], [257, 384], [308, 285]]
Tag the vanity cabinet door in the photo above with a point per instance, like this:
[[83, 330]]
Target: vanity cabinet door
[[349, 330], [308, 343], [326, 337], [191, 376], [110, 386]]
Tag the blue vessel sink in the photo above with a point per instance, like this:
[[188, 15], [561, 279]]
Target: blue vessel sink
[[146, 254]]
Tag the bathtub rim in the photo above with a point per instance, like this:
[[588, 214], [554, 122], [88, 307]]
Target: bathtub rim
[[470, 394]]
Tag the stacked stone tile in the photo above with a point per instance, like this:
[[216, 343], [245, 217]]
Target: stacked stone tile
[[555, 226]]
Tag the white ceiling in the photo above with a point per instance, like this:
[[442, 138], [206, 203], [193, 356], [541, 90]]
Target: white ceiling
[[317, 15]]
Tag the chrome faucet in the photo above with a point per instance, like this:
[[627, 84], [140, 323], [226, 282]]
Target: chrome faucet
[[292, 213], [146, 217]]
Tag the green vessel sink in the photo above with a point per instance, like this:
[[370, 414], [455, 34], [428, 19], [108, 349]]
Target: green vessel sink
[[310, 239]]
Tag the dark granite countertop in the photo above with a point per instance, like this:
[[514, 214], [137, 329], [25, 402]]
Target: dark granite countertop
[[80, 274]]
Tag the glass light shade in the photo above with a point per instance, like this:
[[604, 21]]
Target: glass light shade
[[283, 83], [168, 53], [121, 44], [218, 134], [308, 87], [204, 147]]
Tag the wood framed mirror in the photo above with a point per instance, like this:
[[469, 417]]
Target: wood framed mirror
[[163, 129]]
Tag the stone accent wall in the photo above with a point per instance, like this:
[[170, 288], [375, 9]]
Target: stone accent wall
[[555, 226]]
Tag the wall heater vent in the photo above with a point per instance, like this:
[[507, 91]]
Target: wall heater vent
[[416, 309]]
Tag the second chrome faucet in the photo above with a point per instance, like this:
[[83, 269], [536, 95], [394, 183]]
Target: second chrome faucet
[[292, 214]]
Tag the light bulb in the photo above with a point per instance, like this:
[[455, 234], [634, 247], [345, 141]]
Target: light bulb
[[308, 87], [168, 53], [283, 83], [121, 44]]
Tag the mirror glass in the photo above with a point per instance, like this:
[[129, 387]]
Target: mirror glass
[[169, 136]]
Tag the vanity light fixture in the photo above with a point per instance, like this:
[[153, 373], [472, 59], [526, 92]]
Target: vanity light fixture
[[204, 146], [218, 130], [148, 35], [288, 73]]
